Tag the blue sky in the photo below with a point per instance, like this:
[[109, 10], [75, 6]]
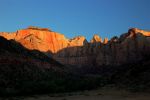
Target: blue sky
[[76, 17]]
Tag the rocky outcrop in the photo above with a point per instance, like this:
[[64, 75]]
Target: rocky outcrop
[[105, 41], [96, 39], [129, 47], [37, 39], [136, 31], [77, 41]]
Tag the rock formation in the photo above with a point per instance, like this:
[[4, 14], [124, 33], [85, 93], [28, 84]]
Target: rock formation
[[95, 39], [105, 40], [129, 47], [14, 54], [38, 39]]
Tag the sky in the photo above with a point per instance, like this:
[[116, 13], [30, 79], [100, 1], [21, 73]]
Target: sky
[[106, 18]]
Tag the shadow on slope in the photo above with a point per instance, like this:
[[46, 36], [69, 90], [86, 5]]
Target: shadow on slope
[[26, 72], [133, 75]]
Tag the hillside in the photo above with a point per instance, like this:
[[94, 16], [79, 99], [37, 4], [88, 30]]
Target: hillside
[[38, 60], [23, 69]]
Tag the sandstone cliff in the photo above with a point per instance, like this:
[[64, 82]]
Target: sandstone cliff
[[129, 47], [38, 39]]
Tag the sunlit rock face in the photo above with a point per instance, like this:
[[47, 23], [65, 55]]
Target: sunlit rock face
[[95, 39], [105, 41], [42, 40], [128, 48], [136, 31], [51, 43]]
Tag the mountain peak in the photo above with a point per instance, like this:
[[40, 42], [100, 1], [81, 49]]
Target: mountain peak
[[78, 41], [96, 38], [136, 31], [105, 40]]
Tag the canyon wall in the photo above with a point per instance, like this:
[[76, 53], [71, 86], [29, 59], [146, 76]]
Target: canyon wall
[[130, 47]]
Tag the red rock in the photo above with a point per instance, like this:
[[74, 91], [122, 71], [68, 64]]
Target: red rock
[[96, 38], [105, 41], [130, 47]]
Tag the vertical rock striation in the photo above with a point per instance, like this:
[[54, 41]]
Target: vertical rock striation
[[130, 47]]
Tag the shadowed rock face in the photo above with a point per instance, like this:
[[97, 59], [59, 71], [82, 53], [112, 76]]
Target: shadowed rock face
[[129, 47], [14, 54]]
